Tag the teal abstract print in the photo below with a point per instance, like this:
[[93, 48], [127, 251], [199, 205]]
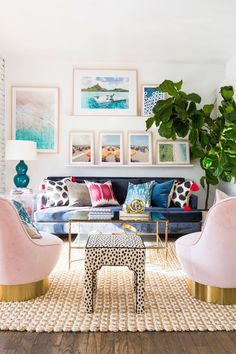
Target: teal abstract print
[[35, 116]]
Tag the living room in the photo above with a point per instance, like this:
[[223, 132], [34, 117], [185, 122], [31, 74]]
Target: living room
[[129, 106]]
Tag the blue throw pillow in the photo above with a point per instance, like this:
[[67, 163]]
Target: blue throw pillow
[[161, 194], [140, 191]]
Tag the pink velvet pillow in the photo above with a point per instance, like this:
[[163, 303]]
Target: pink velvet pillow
[[101, 194]]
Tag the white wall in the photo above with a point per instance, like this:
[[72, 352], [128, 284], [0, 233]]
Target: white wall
[[230, 79], [201, 78]]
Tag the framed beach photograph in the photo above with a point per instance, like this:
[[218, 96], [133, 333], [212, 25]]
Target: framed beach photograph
[[139, 148], [105, 92], [81, 148], [173, 152], [35, 116], [111, 148], [149, 97]]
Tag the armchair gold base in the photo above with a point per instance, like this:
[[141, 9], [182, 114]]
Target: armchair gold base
[[221, 296], [23, 292]]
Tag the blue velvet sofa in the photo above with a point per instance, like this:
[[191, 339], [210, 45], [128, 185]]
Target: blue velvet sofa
[[55, 219]]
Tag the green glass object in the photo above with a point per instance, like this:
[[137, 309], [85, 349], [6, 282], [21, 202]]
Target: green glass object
[[21, 179]]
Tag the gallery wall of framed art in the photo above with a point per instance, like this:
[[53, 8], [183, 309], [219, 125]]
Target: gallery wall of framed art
[[114, 148]]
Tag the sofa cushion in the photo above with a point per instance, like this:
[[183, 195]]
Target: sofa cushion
[[67, 213], [78, 194], [162, 194]]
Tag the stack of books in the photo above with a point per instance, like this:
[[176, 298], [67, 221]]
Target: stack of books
[[134, 216], [100, 214]]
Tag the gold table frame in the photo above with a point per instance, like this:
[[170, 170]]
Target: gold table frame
[[119, 221]]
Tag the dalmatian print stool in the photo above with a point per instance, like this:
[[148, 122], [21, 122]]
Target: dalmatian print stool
[[114, 250]]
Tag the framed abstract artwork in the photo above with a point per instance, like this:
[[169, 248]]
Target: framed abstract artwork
[[35, 116], [173, 152], [81, 148], [105, 92], [111, 148], [149, 97], [139, 148]]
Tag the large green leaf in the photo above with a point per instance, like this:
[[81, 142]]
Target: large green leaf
[[169, 87], [165, 113], [227, 92], [197, 121], [207, 109], [149, 122], [231, 116], [165, 129], [181, 113], [192, 108], [193, 97], [211, 179], [178, 84], [203, 181], [181, 128]]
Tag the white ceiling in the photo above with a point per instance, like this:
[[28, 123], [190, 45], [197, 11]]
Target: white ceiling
[[120, 30]]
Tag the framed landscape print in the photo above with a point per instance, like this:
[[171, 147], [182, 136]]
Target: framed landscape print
[[111, 148], [105, 92], [35, 112], [81, 148], [140, 148], [149, 97], [173, 152]]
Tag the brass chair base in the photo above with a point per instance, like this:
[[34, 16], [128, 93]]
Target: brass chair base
[[221, 296], [23, 292]]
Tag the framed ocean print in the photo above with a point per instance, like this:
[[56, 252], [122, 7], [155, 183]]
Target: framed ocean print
[[139, 148], [105, 92], [35, 116], [111, 148], [81, 148], [149, 97], [173, 152]]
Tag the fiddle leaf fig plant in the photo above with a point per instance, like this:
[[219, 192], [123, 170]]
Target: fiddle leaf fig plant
[[212, 140]]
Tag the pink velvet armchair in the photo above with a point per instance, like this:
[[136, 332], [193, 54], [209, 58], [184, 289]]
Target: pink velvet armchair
[[209, 257], [25, 263]]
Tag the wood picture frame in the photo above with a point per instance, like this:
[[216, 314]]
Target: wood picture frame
[[139, 146], [81, 148], [35, 116], [105, 92]]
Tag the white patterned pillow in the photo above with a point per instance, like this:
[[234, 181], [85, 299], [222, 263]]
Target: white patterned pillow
[[56, 192], [182, 192]]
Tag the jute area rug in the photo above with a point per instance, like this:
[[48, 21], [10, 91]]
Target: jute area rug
[[168, 306]]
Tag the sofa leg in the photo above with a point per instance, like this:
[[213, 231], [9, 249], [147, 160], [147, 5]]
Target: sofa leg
[[221, 296], [23, 292]]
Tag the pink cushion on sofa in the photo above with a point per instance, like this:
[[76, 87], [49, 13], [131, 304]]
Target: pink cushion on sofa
[[101, 194]]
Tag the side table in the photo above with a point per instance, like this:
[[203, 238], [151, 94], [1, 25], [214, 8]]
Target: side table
[[26, 197], [114, 250]]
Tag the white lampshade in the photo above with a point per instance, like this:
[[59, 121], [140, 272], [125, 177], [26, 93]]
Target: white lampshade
[[20, 150]]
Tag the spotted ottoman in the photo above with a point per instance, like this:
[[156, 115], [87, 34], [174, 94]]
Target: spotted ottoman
[[114, 250]]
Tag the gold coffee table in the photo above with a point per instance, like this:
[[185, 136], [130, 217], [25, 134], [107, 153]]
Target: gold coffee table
[[155, 218]]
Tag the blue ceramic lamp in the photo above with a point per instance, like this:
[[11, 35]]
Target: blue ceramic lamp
[[21, 150]]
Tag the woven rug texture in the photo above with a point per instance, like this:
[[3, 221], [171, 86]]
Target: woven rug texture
[[168, 306]]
